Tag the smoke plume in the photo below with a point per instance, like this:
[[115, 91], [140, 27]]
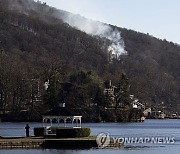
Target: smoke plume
[[91, 27]]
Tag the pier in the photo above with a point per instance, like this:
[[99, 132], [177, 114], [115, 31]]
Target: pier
[[53, 143], [20, 143]]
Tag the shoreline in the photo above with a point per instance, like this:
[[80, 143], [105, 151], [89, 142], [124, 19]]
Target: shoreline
[[51, 143]]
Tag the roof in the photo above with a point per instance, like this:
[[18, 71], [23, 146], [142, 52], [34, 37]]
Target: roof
[[59, 111]]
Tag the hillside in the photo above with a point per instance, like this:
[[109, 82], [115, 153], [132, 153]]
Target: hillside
[[37, 44]]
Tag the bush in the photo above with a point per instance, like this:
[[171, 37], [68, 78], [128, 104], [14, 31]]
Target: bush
[[72, 132], [39, 131]]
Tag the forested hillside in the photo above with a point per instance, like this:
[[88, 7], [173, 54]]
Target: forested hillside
[[36, 46]]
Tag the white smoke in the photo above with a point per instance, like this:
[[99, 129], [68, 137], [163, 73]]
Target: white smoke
[[91, 27]]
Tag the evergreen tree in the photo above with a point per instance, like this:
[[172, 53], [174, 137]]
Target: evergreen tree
[[99, 97], [52, 92], [122, 93]]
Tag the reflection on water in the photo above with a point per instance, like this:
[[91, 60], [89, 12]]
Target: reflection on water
[[150, 128]]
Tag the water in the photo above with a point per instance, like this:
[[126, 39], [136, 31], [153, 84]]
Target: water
[[149, 128]]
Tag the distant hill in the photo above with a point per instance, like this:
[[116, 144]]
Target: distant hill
[[35, 43]]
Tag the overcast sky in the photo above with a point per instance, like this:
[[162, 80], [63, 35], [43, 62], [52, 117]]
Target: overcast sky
[[160, 18]]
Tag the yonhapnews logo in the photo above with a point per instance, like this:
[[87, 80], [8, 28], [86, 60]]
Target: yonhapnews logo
[[103, 140]]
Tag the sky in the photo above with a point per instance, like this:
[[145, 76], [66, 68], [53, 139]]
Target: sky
[[160, 18]]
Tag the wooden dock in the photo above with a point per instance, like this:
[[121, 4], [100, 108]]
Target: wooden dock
[[20, 143], [52, 143]]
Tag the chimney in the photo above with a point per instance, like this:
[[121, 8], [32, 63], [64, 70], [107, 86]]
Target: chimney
[[62, 105], [110, 83]]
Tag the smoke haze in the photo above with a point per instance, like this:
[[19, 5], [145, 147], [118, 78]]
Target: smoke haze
[[100, 29], [91, 27]]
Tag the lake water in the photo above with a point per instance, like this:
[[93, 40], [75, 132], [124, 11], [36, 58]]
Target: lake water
[[148, 129]]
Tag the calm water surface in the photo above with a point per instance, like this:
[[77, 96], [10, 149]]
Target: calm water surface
[[149, 128]]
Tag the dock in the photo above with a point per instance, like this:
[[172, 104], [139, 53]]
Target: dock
[[52, 143], [20, 143]]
